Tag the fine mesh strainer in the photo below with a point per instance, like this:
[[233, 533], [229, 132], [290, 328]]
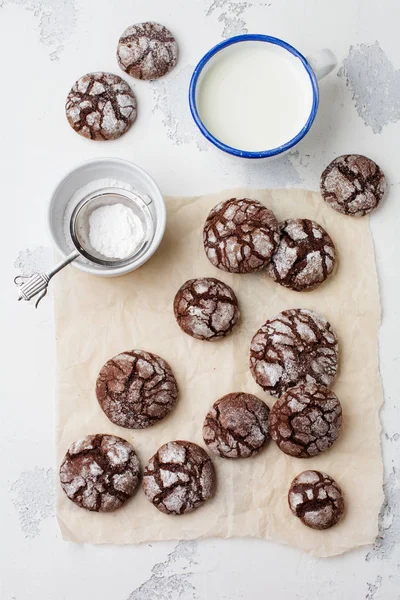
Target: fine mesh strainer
[[36, 284], [79, 223]]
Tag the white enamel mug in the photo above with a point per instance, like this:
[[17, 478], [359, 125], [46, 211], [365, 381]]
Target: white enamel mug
[[312, 69]]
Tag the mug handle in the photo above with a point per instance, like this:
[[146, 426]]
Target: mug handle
[[322, 62]]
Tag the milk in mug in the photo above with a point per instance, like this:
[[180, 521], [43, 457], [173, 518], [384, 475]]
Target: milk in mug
[[254, 96]]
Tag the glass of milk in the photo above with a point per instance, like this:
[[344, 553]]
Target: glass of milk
[[256, 96]]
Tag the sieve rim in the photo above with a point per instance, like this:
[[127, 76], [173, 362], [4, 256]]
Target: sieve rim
[[133, 198]]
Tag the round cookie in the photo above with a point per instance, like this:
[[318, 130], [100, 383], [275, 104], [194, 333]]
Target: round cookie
[[296, 346], [306, 420], [100, 472], [179, 478], [147, 51], [101, 106], [353, 184], [316, 499], [206, 308], [305, 255], [236, 426], [240, 235], [136, 389]]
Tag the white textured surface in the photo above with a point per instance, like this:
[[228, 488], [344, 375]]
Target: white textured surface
[[359, 112]]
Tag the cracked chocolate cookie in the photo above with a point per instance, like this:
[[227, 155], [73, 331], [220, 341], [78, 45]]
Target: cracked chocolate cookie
[[236, 426], [179, 478], [136, 389], [240, 235], [101, 106], [305, 255], [147, 51], [353, 185], [306, 420], [296, 346], [206, 308], [316, 499], [100, 472]]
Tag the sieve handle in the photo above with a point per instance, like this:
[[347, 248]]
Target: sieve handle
[[36, 284], [63, 263]]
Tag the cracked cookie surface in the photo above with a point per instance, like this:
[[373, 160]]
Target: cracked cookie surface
[[101, 106], [296, 346], [136, 389], [206, 308], [147, 51], [179, 478], [100, 472], [305, 255], [236, 426], [306, 420], [353, 184], [240, 235], [316, 499]]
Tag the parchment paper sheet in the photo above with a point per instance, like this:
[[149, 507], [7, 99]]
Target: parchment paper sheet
[[97, 318]]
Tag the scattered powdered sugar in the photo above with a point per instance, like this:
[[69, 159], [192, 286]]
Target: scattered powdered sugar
[[172, 453], [309, 477], [123, 481], [115, 231], [85, 443], [270, 371], [168, 477], [32, 495], [174, 501], [117, 453], [296, 499]]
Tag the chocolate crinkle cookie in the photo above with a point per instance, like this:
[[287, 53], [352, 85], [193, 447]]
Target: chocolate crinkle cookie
[[101, 106], [306, 420], [136, 389], [296, 346], [236, 426], [305, 255], [179, 478], [206, 308], [100, 472], [240, 235], [353, 184], [147, 51], [316, 499]]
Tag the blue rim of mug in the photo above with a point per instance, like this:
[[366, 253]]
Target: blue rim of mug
[[258, 37]]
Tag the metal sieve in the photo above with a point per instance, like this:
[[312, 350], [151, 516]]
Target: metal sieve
[[36, 284], [79, 223]]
